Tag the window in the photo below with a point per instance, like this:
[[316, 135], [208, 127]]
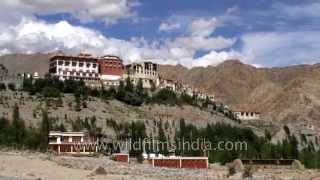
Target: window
[[60, 63], [80, 64], [94, 65], [88, 65], [74, 64]]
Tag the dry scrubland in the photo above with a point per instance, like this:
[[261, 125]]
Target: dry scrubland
[[30, 110], [27, 165]]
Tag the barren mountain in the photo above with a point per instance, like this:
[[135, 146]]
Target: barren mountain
[[26, 63], [281, 94], [285, 94]]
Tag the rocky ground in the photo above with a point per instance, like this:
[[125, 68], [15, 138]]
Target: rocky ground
[[31, 166]]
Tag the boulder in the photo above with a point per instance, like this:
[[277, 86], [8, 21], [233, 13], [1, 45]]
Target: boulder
[[237, 166], [296, 164], [98, 171]]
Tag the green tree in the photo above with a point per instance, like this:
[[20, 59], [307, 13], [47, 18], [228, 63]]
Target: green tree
[[78, 101], [27, 84], [12, 86], [163, 139], [129, 86], [44, 131], [139, 87], [50, 92], [165, 96], [18, 126], [2, 87], [4, 128]]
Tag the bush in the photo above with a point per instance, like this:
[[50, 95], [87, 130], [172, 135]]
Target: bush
[[12, 86], [2, 86], [187, 99], [50, 92], [165, 96]]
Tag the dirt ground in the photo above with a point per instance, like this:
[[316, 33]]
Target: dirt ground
[[35, 166]]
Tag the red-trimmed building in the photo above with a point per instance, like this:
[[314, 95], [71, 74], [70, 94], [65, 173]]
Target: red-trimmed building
[[111, 70]]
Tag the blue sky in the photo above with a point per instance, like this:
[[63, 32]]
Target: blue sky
[[264, 33]]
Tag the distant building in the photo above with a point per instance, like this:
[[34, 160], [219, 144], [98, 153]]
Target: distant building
[[146, 71], [186, 89], [111, 70], [307, 129], [247, 115], [168, 84], [36, 75], [200, 94], [211, 97], [71, 143], [180, 162]]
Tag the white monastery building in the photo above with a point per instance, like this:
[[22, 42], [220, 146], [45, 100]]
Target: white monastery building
[[146, 71]]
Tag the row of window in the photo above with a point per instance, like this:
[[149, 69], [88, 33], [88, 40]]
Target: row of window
[[75, 63], [80, 70], [247, 114], [147, 72], [80, 74], [118, 66]]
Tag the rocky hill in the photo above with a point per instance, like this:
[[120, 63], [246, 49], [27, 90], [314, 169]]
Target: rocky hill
[[286, 94]]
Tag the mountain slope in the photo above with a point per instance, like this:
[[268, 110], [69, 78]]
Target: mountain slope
[[281, 94], [21, 63]]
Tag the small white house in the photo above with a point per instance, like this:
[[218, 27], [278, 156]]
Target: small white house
[[246, 115]]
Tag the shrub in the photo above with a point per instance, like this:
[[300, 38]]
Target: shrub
[[50, 92], [12, 86], [165, 96], [2, 86]]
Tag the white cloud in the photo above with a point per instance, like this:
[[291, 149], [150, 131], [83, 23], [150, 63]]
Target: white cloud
[[300, 10], [281, 48], [31, 36], [169, 26], [195, 43], [35, 36], [22, 32], [203, 27], [214, 58], [108, 11]]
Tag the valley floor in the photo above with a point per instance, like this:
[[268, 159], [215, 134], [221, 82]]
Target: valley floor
[[26, 165]]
